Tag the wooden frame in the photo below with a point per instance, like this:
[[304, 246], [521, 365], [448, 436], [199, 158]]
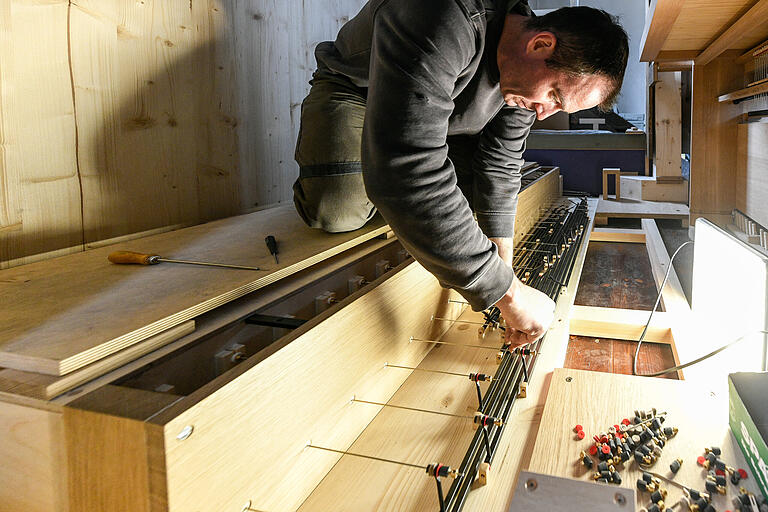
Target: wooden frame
[[616, 173]]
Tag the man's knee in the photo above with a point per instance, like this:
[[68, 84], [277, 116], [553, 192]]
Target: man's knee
[[334, 204]]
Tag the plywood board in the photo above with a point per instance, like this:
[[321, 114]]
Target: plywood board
[[75, 310], [48, 386], [571, 401]]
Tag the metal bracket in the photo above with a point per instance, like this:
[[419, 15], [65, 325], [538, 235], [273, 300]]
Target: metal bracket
[[537, 492], [282, 322]]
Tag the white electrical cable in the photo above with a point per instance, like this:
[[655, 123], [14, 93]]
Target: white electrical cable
[[690, 363]]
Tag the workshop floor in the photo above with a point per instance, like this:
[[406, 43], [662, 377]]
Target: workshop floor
[[618, 275]]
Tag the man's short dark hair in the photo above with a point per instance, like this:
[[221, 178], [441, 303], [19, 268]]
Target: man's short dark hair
[[589, 42]]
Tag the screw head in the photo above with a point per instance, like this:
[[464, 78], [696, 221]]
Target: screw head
[[531, 484], [620, 499], [185, 433], [568, 379]]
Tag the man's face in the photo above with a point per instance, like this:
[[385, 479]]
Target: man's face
[[548, 91], [526, 81]]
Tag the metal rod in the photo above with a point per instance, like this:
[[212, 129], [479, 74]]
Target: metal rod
[[380, 459], [431, 371], [676, 484], [241, 267], [454, 344], [457, 321], [633, 425], [413, 409]]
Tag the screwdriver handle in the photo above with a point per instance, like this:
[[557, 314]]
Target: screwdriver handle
[[134, 258]]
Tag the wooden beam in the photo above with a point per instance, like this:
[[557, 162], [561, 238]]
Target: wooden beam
[[676, 55], [660, 18], [753, 17], [744, 93], [619, 324]]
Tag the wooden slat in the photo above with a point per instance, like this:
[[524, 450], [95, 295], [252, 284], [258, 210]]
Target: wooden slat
[[75, 310], [39, 180], [571, 400], [622, 324], [734, 34], [660, 18]]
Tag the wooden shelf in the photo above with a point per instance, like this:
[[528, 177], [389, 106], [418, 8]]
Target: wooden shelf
[[744, 93]]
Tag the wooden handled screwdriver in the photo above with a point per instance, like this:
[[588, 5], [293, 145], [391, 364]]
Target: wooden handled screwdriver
[[137, 258]]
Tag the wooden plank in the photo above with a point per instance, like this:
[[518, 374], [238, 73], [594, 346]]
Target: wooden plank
[[348, 358], [659, 20], [39, 182], [668, 124], [671, 56], [365, 485], [734, 35], [752, 171], [633, 236], [627, 208], [571, 400], [47, 386], [603, 354], [33, 473], [701, 21], [622, 324], [64, 318]]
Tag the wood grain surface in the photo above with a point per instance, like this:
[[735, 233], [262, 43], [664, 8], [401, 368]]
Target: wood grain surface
[[616, 356], [71, 311], [599, 400]]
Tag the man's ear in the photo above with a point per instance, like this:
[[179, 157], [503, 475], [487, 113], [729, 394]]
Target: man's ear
[[541, 45]]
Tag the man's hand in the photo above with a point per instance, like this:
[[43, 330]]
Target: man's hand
[[528, 313]]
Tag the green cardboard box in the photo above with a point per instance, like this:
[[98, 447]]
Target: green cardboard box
[[748, 418]]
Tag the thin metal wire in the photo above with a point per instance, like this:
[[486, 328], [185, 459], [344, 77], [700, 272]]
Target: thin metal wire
[[415, 409], [428, 370], [371, 457], [419, 340]]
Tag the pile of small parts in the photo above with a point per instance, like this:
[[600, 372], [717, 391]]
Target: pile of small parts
[[641, 439]]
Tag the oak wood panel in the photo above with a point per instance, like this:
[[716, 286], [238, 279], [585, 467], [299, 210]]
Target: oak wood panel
[[714, 138], [752, 171], [573, 401], [348, 350], [366, 485], [63, 318], [39, 179], [33, 472]]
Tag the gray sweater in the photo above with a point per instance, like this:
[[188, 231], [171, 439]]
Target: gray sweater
[[430, 70]]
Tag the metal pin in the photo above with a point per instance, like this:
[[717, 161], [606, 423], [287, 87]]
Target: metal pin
[[432, 371], [498, 422], [457, 321], [633, 425]]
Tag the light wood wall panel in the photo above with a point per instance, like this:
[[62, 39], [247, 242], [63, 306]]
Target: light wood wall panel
[[164, 112], [752, 178], [39, 185]]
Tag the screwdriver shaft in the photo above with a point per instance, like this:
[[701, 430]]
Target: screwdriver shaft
[[242, 267]]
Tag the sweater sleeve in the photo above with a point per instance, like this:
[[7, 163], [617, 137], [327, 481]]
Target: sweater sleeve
[[418, 50], [496, 165]]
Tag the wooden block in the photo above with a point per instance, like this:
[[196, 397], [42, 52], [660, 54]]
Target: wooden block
[[634, 236], [616, 173], [671, 192]]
